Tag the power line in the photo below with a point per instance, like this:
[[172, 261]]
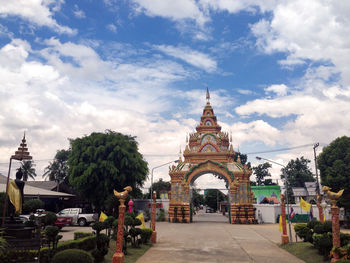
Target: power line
[[283, 149]]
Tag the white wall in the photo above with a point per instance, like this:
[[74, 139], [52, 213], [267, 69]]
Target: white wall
[[270, 212]]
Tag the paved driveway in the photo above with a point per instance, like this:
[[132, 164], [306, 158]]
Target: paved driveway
[[211, 239]]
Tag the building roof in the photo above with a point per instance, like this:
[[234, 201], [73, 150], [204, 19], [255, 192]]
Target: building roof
[[31, 191], [299, 191], [47, 185], [270, 200]]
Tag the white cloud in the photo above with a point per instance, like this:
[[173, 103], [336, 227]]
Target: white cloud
[[174, 10], [192, 57], [78, 12], [280, 89], [112, 27], [37, 12]]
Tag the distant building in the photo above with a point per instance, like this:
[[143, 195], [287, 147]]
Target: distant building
[[308, 193], [271, 192]]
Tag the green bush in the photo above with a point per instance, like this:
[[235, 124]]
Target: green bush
[[311, 224], [49, 218], [78, 235], [146, 234], [30, 206], [72, 256], [323, 243], [16, 256], [86, 243], [344, 239], [161, 216], [102, 244], [304, 232]]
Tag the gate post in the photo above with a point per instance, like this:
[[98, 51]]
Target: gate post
[[154, 233]]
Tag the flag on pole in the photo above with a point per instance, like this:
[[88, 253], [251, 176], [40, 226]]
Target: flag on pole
[[142, 219], [311, 213], [292, 213], [304, 205], [103, 217], [280, 224]]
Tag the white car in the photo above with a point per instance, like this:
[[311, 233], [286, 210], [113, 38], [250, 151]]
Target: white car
[[80, 218]]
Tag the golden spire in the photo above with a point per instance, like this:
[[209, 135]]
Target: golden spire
[[208, 95], [22, 152]]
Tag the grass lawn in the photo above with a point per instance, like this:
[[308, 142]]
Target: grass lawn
[[131, 257], [305, 251]]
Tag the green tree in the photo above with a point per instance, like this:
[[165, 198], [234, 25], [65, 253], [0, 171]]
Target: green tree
[[58, 169], [197, 198], [28, 170], [298, 172], [334, 166], [158, 187], [212, 197], [261, 171], [101, 162]]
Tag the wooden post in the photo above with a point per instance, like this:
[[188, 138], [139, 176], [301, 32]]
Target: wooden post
[[285, 239], [154, 233], [118, 256]]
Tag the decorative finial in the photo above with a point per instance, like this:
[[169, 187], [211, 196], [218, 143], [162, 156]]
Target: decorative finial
[[231, 136], [208, 95], [24, 136], [186, 137]]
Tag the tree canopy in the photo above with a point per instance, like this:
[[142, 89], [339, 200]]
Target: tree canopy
[[261, 171], [159, 186], [58, 169], [101, 162], [212, 197], [28, 170], [298, 172], [334, 166]]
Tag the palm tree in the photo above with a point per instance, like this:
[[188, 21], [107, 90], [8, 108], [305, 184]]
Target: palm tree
[[28, 170], [58, 169]]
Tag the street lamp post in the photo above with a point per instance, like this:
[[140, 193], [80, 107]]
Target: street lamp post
[[176, 161], [317, 181], [286, 178]]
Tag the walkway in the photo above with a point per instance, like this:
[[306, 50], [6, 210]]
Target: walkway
[[211, 239]]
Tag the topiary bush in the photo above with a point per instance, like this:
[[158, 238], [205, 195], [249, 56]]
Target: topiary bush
[[49, 219], [72, 256], [323, 243], [146, 234], [102, 245], [30, 206], [303, 232], [78, 235]]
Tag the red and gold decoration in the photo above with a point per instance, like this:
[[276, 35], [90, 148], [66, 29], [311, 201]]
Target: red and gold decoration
[[154, 233], [209, 150], [118, 256], [320, 209], [333, 197], [285, 239], [21, 154]]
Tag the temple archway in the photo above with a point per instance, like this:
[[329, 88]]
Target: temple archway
[[209, 150]]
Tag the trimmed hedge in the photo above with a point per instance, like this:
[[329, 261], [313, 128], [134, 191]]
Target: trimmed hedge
[[72, 256], [86, 243], [79, 235]]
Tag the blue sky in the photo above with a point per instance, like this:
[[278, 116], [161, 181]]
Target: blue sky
[[278, 73]]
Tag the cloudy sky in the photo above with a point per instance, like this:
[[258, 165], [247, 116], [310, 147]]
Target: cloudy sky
[[278, 73]]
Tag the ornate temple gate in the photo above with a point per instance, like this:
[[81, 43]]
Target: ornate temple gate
[[209, 150]]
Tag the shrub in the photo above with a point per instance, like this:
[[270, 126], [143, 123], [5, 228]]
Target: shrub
[[323, 243], [30, 206], [15, 256], [86, 243], [311, 224], [49, 218], [102, 244], [161, 216], [146, 234], [72, 256], [303, 232], [98, 227], [344, 239], [78, 235]]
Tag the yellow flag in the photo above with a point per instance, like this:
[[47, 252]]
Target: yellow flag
[[142, 219], [304, 205], [15, 196], [103, 217], [280, 224]]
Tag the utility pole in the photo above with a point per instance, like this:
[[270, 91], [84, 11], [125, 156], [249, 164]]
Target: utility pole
[[317, 182]]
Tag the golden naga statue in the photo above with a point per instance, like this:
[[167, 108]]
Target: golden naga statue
[[331, 195], [124, 194]]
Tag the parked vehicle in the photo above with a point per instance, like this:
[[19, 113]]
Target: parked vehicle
[[63, 221], [78, 216]]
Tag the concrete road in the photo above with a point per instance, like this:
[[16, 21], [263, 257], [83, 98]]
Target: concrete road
[[210, 238]]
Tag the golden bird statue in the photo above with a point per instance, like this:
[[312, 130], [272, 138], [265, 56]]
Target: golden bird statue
[[331, 195], [123, 195]]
